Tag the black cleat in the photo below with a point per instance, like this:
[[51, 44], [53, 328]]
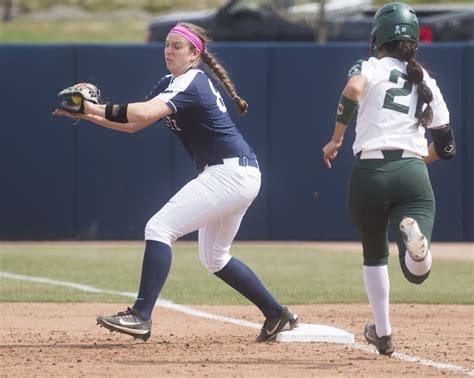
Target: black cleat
[[272, 327], [385, 344], [128, 322]]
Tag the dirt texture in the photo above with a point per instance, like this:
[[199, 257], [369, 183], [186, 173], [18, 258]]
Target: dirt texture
[[44, 339]]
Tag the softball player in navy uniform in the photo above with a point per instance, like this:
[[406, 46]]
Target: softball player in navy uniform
[[213, 203], [395, 101]]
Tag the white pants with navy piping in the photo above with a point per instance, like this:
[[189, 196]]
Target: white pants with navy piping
[[213, 203]]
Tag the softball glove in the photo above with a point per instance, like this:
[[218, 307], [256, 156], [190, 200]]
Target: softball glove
[[72, 98]]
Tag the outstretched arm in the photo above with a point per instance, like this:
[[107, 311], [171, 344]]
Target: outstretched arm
[[137, 115], [125, 127]]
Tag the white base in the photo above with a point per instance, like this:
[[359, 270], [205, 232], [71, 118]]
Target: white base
[[314, 333]]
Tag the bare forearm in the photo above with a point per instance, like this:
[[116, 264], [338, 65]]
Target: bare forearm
[[339, 130], [124, 127], [136, 113], [94, 109], [432, 155]]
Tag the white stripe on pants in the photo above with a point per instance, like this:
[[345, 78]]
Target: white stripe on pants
[[213, 203]]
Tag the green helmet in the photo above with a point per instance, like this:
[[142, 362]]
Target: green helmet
[[394, 22]]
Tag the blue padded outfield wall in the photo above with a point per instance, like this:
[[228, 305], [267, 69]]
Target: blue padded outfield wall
[[60, 181]]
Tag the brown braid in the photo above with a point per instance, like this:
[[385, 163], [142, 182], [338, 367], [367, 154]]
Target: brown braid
[[405, 50], [217, 69]]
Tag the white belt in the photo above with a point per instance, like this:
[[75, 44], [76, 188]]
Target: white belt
[[231, 161], [378, 154]]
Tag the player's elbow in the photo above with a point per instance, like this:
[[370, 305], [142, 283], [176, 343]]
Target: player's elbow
[[135, 127], [443, 141], [131, 130]]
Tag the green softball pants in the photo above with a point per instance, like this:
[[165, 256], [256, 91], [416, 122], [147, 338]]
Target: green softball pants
[[381, 193]]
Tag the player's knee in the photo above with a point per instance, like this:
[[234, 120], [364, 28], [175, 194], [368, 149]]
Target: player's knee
[[155, 230], [414, 279], [214, 263]]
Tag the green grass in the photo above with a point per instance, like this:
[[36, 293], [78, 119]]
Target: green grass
[[294, 276], [74, 31], [103, 26], [99, 28], [29, 6]]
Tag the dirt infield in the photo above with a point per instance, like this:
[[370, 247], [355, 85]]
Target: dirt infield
[[41, 339], [45, 339]]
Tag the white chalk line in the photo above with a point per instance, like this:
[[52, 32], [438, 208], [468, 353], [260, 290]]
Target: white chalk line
[[159, 302], [417, 359], [226, 319]]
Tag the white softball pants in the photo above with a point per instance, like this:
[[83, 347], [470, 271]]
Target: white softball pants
[[213, 203]]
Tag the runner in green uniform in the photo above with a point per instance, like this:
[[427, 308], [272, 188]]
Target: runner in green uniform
[[394, 100]]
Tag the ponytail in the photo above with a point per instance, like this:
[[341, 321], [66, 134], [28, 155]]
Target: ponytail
[[218, 71], [241, 105], [221, 74], [405, 50]]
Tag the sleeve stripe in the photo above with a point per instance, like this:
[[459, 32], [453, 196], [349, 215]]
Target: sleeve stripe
[[172, 106], [356, 69]]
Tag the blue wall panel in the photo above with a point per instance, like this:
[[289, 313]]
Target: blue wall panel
[[468, 167], [123, 179], [36, 152], [308, 200], [62, 181], [445, 63]]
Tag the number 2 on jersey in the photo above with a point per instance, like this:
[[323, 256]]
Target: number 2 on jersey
[[390, 94]]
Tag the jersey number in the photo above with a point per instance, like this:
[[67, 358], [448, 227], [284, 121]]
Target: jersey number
[[390, 94], [219, 101]]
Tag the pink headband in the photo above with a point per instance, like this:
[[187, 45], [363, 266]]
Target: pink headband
[[190, 36]]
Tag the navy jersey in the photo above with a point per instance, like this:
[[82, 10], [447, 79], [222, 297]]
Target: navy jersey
[[200, 118]]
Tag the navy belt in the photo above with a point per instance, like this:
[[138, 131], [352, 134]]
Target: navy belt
[[245, 161], [242, 161]]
